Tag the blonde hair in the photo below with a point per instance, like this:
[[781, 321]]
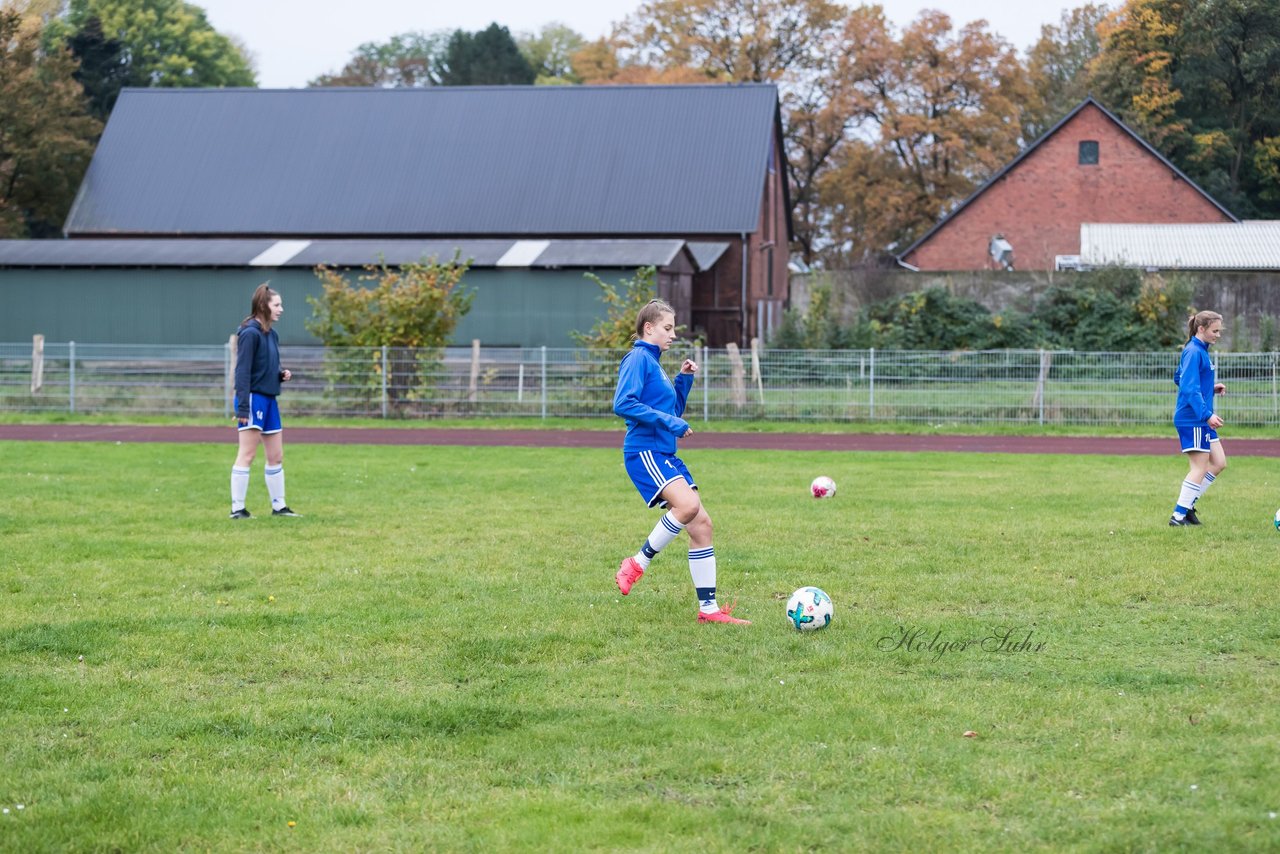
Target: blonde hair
[[1199, 321], [651, 312]]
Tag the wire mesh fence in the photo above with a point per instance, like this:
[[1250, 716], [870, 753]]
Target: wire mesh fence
[[999, 386]]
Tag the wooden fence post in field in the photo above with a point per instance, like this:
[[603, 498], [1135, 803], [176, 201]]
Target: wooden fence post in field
[[1037, 400], [755, 368], [37, 363], [737, 376], [229, 381], [472, 389]]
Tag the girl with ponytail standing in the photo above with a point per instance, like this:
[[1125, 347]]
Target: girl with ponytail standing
[[258, 379]]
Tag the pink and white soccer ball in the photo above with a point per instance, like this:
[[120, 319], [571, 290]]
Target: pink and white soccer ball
[[822, 487]]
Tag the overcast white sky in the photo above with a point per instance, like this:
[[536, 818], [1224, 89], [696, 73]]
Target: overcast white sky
[[294, 41]]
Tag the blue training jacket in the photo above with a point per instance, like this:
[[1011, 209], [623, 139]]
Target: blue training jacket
[[650, 402], [257, 364], [1195, 386]]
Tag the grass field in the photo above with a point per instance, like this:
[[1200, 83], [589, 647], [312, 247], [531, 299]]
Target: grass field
[[435, 656]]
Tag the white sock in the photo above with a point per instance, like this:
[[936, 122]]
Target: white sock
[[1205, 484], [1190, 492], [667, 529], [702, 566], [239, 488], [275, 485]]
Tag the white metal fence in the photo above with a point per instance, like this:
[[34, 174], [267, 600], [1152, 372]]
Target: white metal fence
[[1001, 386]]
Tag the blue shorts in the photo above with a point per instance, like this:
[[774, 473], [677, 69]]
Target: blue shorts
[[264, 414], [651, 471], [1195, 439]]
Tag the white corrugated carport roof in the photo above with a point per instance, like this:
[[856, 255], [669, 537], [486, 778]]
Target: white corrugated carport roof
[[1249, 245]]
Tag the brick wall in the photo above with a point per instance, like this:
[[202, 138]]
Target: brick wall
[[1039, 204]]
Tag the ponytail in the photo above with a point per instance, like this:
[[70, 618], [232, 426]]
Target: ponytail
[[1199, 321], [650, 313]]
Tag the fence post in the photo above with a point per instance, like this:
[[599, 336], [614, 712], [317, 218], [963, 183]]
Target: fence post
[[473, 388], [71, 386], [544, 382], [228, 374], [871, 386], [737, 377], [37, 363], [520, 382], [1042, 380], [384, 381], [755, 369], [706, 381]]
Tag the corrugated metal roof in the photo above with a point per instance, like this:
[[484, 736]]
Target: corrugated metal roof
[[357, 253], [504, 160], [131, 253], [208, 252], [705, 255], [609, 253], [1249, 245]]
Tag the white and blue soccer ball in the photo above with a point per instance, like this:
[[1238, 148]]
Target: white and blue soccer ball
[[809, 609], [822, 487], [1278, 520]]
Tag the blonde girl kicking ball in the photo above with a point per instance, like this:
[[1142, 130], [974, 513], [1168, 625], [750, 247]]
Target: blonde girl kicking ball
[[652, 405], [1194, 418]]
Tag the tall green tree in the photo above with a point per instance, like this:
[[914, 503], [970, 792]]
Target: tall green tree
[[46, 134], [1230, 77], [103, 66], [550, 51], [1059, 64], [1198, 80], [489, 57], [164, 43], [407, 60]]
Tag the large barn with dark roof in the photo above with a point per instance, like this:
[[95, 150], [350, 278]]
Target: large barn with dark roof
[[196, 195]]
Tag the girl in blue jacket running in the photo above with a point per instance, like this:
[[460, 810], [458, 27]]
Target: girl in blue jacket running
[[652, 404], [1193, 417]]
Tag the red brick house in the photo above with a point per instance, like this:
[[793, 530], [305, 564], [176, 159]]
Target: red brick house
[[1090, 167]]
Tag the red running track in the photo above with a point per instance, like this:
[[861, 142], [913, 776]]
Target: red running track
[[613, 439]]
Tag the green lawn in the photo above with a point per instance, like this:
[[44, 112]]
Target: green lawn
[[435, 656]]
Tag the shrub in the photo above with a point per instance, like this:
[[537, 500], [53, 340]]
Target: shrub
[[414, 308]]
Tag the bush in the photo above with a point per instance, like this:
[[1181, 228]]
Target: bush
[[1113, 309], [413, 307]]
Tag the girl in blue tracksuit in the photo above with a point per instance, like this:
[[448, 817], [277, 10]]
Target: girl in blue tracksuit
[[1193, 417], [258, 379], [652, 405]]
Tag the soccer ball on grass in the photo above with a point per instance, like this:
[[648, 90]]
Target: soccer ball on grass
[[809, 609], [822, 487]]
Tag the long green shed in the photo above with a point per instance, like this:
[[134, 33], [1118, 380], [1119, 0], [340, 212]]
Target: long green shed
[[196, 291]]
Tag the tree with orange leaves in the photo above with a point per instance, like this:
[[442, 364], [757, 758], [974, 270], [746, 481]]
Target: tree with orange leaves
[[793, 43], [941, 112]]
